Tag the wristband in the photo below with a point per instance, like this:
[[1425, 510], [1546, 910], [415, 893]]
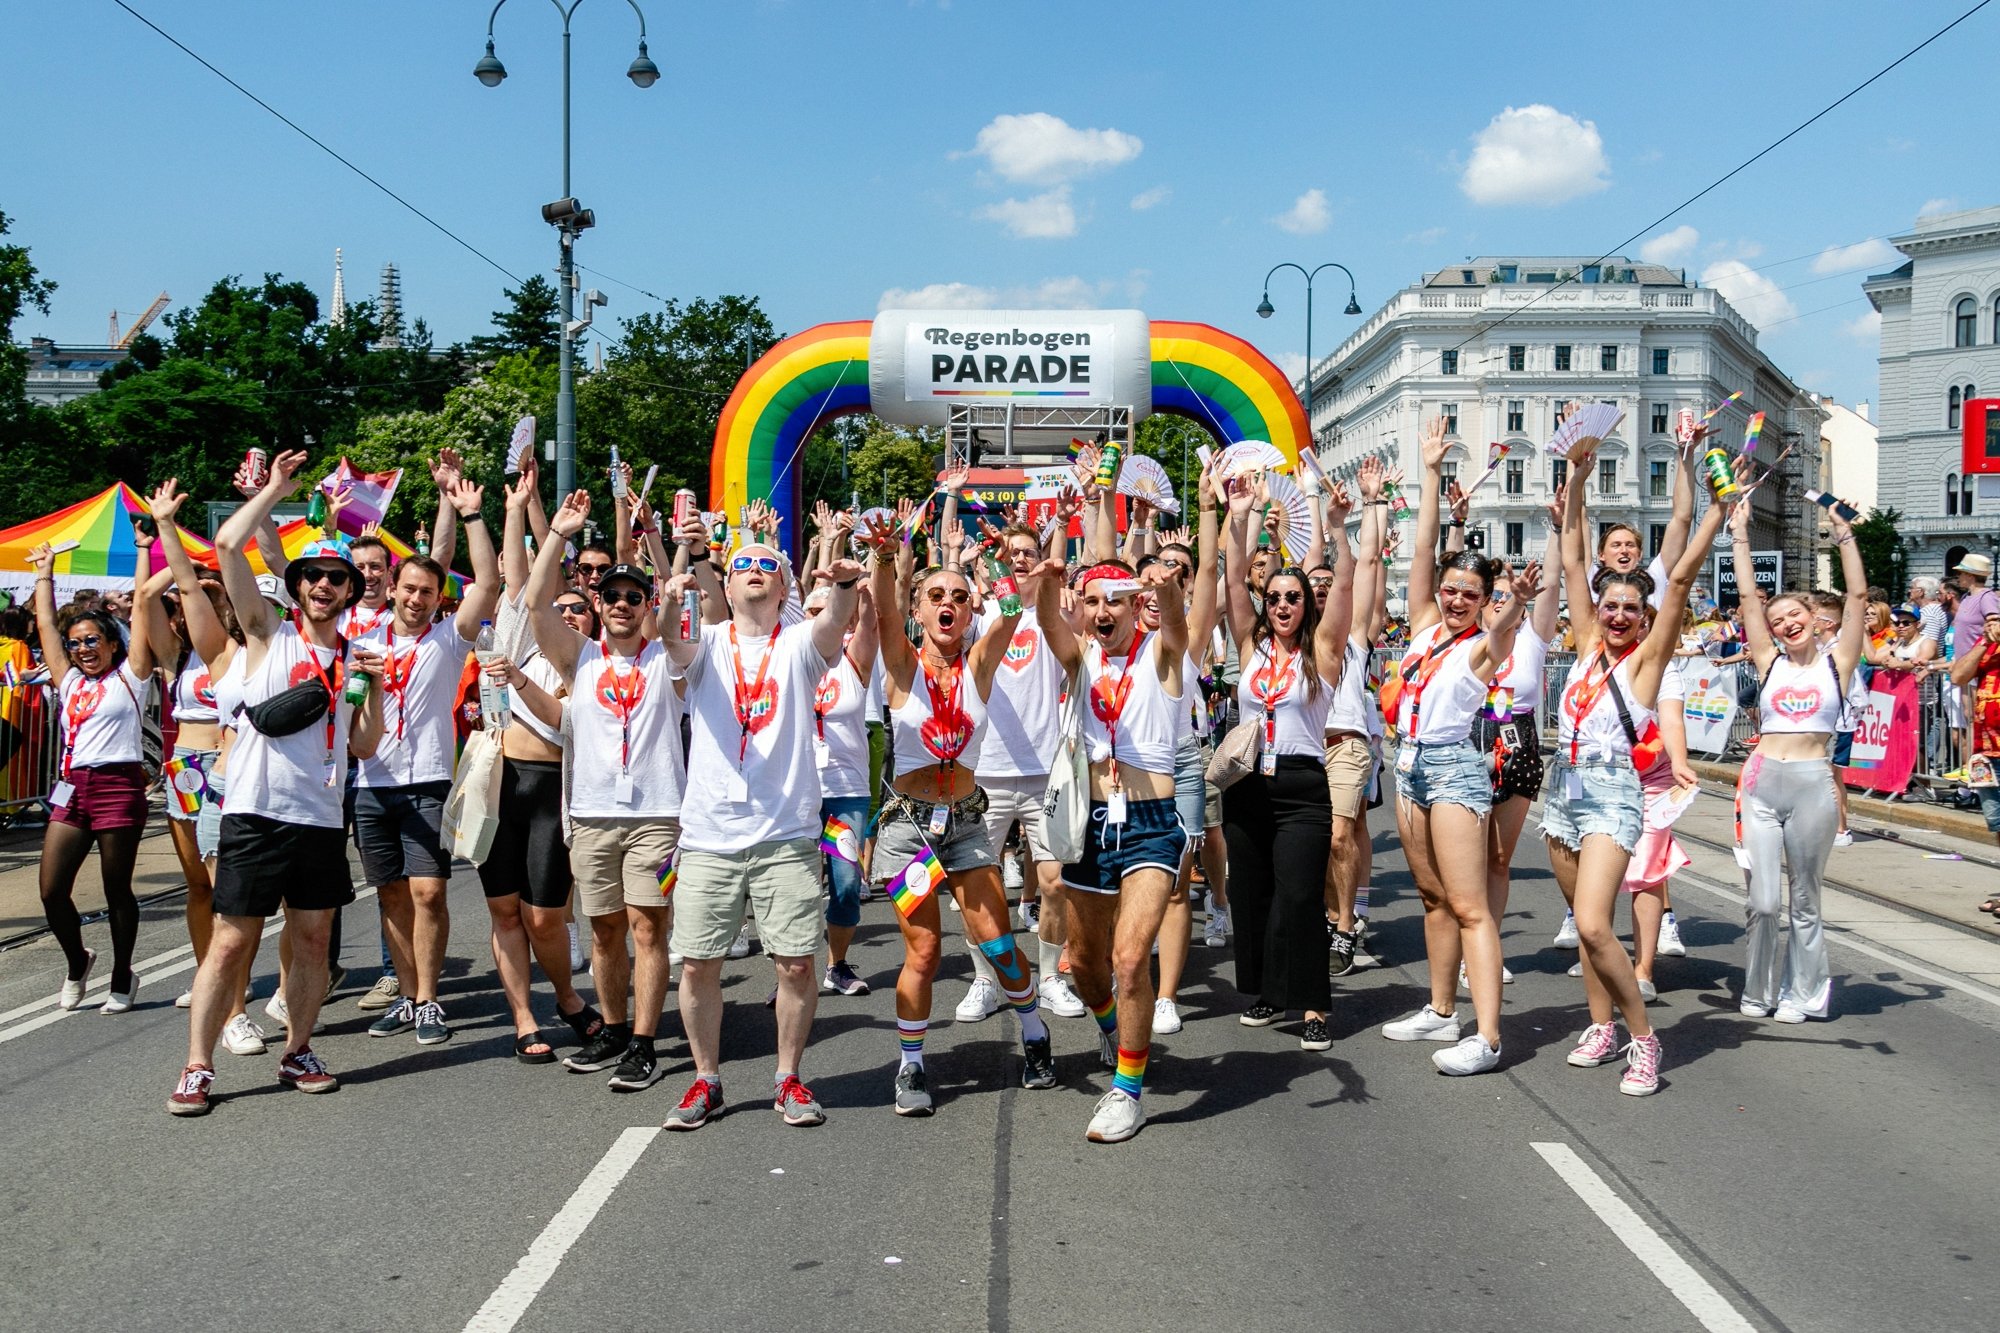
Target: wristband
[[474, 517], [1371, 503], [1456, 523], [849, 584]]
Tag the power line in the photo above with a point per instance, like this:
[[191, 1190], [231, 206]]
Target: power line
[[308, 137]]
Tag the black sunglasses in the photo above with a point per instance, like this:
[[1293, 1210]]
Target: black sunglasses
[[594, 570], [336, 576], [1286, 597], [626, 598], [573, 608]]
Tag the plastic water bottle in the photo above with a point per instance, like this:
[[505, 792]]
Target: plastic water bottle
[[496, 704]]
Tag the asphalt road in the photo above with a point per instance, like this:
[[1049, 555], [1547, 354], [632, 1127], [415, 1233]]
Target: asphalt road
[[1832, 1176]]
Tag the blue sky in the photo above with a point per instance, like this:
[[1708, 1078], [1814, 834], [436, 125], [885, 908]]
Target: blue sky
[[824, 155]]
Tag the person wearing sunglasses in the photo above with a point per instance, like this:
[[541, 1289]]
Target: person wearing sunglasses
[[934, 816], [593, 562], [100, 791], [282, 844]]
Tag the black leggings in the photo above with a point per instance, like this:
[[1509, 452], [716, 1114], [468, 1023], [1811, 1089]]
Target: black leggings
[[1278, 829], [64, 847]]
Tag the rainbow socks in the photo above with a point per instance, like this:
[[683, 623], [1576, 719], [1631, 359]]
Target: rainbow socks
[[1131, 1071], [1107, 1017], [910, 1032]]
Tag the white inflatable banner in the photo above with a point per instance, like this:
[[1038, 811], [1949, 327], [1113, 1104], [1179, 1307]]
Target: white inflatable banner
[[920, 362]]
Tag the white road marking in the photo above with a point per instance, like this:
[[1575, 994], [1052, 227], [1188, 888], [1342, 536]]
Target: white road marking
[[153, 969], [1688, 1287], [511, 1299]]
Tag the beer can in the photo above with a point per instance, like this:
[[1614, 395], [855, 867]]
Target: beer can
[[1684, 425], [684, 507], [257, 468]]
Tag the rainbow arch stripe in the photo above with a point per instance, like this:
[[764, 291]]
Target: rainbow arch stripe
[[1215, 379]]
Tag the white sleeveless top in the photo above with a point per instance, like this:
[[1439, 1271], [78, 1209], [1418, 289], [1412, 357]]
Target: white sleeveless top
[[1599, 734], [625, 723], [1521, 673], [1021, 721], [1801, 700], [229, 690], [194, 691], [1150, 723], [840, 731], [1280, 692], [1453, 697], [300, 778], [907, 724], [1351, 707]]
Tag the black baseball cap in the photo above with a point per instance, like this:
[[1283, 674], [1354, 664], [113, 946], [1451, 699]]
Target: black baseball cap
[[630, 573]]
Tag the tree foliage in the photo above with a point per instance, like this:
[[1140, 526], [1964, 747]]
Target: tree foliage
[[528, 324], [1881, 552]]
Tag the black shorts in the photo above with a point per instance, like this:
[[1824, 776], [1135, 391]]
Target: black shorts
[[263, 864], [1522, 773], [396, 830], [528, 855]]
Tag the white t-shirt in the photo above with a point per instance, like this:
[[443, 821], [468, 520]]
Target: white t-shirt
[[1452, 698], [194, 691], [300, 778], [1657, 569], [625, 723], [1297, 710], [840, 731], [1673, 684], [763, 787], [1522, 671], [100, 717], [358, 620], [1021, 714], [419, 692]]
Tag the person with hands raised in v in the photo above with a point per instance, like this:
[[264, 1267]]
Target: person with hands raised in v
[[1444, 792], [282, 843]]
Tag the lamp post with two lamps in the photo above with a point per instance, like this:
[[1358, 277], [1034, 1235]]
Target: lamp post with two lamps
[[570, 219], [1265, 310]]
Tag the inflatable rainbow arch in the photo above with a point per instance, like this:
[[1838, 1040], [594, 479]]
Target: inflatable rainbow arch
[[1212, 378]]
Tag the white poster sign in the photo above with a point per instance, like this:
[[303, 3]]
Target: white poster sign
[[1711, 703], [973, 356]]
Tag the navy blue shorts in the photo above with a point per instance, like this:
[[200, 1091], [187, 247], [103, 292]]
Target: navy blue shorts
[[1843, 748], [398, 831], [1151, 838]]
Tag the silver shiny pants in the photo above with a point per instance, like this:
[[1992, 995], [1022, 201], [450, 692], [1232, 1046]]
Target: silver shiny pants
[[1789, 819]]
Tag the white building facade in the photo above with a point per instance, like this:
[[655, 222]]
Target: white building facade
[[1849, 459], [1498, 346], [1940, 346]]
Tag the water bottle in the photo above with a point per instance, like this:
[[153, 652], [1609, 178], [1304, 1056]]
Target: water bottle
[[496, 703], [617, 476], [1005, 590], [356, 691]]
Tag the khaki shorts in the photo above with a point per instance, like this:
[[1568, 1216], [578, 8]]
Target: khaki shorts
[[616, 862], [779, 881], [1349, 765], [1009, 799]]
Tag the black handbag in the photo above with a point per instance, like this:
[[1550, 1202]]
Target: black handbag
[[292, 710]]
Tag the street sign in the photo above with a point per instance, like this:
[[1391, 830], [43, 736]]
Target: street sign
[[1767, 567]]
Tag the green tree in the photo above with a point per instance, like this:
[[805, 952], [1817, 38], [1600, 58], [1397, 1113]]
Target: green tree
[[1172, 441], [21, 286], [1880, 547], [528, 324], [477, 419], [48, 459], [895, 463]]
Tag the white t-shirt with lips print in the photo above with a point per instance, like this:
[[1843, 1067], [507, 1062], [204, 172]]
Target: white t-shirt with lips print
[[763, 787], [1021, 732]]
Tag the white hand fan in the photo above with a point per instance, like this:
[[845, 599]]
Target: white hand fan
[[1251, 456], [1592, 420], [1291, 502], [1144, 479]]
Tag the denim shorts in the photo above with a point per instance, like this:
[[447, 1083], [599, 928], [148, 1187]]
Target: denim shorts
[[1449, 774], [843, 877], [1151, 838], [1989, 805], [1611, 803], [1196, 800], [905, 830]]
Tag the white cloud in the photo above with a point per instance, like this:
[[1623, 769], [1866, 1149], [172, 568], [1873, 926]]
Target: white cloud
[[1671, 247], [1041, 149], [1872, 253], [1755, 296], [1534, 155], [1293, 364], [1152, 198], [1309, 213], [1933, 207], [1040, 217], [1067, 293], [1868, 327], [1428, 236], [939, 296]]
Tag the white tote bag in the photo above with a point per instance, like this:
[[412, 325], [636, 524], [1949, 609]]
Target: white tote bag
[[472, 810], [1066, 807]]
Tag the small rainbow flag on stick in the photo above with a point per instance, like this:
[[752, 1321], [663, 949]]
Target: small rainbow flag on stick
[[838, 839], [909, 889], [187, 782], [670, 875], [1709, 415], [1751, 432]]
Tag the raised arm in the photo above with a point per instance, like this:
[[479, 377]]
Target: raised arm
[[558, 642], [1575, 562], [253, 614], [1236, 574], [1056, 628], [1337, 621], [465, 500], [1202, 616], [54, 656], [1368, 554], [1461, 505], [1681, 522], [1549, 605], [1756, 627], [1491, 651], [445, 473], [205, 631], [1853, 616], [514, 560], [887, 546], [1423, 554], [1103, 534], [140, 648], [1661, 640], [829, 628]]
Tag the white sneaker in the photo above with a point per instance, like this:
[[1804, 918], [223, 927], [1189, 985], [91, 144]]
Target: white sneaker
[[118, 1002], [1566, 936], [1789, 1013], [1751, 1009], [1471, 1056], [275, 1007], [1648, 991], [1575, 969], [1010, 872], [1058, 997], [1031, 915], [1427, 1024], [1116, 1119], [1670, 938], [740, 946], [1215, 932], [243, 1037], [981, 1000], [71, 994], [1844, 838], [1166, 1018], [1506, 977], [185, 1000], [578, 961]]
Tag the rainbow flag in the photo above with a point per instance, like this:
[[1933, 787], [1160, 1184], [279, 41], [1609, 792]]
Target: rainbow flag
[[1751, 432], [187, 782], [670, 875], [909, 889], [1709, 415], [838, 839]]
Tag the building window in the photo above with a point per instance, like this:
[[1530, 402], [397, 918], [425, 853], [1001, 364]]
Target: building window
[[1661, 359], [1517, 477], [1965, 495], [1964, 321], [1659, 418], [1562, 354], [1517, 357], [1607, 357], [1951, 405], [1517, 538], [1607, 476], [1996, 319], [1450, 411], [1448, 471], [1558, 472], [1656, 533], [1951, 495], [1448, 362], [1517, 414], [1656, 478]]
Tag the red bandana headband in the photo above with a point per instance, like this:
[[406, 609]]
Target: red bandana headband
[[1103, 572]]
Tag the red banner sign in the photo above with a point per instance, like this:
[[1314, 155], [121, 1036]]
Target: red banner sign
[[1885, 735]]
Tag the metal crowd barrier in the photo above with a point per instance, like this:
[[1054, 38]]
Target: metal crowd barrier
[[30, 748]]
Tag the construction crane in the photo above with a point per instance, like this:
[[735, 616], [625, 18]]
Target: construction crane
[[138, 325]]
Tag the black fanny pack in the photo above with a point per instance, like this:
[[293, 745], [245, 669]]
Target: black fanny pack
[[291, 711]]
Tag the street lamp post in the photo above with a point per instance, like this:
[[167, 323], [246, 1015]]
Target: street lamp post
[[570, 220], [1265, 310]]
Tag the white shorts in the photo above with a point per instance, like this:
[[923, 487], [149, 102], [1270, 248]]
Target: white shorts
[[1009, 799]]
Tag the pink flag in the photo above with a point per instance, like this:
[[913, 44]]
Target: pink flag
[[368, 494]]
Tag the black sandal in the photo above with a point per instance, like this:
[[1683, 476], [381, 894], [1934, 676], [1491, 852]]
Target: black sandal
[[526, 1056], [585, 1022]]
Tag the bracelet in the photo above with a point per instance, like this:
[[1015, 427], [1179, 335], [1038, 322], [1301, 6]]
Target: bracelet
[[849, 584], [474, 517], [1371, 503], [1842, 541], [1456, 523]]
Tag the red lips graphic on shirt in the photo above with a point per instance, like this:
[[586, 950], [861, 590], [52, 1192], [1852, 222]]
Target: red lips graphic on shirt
[[204, 689], [1795, 702], [827, 697], [610, 684], [83, 702], [762, 705], [1021, 651]]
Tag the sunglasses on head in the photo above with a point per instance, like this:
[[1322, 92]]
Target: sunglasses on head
[[86, 642], [938, 596], [1286, 597], [628, 597], [743, 564], [324, 574]]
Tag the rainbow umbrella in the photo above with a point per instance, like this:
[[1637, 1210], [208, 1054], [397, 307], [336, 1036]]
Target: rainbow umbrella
[[101, 526]]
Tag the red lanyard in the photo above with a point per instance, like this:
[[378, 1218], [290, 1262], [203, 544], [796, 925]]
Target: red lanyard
[[954, 728], [396, 673], [1433, 659], [79, 709], [1581, 697], [1108, 696], [325, 678], [828, 693], [622, 703], [1270, 686], [750, 694]]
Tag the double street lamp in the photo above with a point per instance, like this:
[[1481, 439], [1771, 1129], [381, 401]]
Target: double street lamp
[[570, 219], [1265, 310]]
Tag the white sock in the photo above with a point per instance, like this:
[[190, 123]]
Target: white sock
[[982, 966]]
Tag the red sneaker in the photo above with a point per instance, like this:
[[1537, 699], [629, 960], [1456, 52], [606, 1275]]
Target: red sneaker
[[190, 1095], [306, 1072], [795, 1103]]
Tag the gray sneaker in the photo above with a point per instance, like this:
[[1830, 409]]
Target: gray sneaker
[[384, 993], [431, 1029], [913, 1096], [1117, 1118], [400, 1016]]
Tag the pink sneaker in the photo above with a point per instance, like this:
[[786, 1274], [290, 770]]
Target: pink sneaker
[[1598, 1046], [1642, 1070]]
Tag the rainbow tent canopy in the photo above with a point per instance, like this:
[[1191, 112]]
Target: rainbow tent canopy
[[106, 556]]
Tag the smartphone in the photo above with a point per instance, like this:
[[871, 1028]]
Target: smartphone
[[1839, 508], [145, 524]]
